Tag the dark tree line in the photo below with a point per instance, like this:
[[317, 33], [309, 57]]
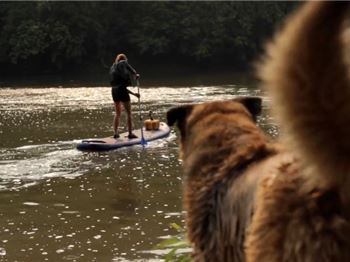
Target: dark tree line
[[50, 36]]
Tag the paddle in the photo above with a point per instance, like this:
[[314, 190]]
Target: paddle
[[143, 141]]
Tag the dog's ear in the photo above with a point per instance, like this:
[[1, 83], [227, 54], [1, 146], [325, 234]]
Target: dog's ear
[[252, 103], [178, 114]]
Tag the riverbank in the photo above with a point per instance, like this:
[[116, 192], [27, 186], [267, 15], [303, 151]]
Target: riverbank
[[150, 76]]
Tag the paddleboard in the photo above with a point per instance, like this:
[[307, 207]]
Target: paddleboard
[[110, 143]]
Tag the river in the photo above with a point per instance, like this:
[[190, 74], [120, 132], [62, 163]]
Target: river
[[60, 204]]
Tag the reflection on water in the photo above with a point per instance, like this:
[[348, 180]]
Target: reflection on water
[[60, 204]]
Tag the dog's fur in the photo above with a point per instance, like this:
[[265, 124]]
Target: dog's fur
[[249, 200]]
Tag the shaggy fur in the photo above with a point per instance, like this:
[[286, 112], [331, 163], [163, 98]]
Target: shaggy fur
[[248, 200], [219, 141], [302, 211]]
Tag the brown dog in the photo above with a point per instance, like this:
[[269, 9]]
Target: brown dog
[[221, 148], [246, 199]]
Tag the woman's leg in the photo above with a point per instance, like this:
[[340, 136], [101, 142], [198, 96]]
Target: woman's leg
[[127, 106], [116, 120]]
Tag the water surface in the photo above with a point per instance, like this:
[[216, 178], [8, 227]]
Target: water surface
[[59, 204]]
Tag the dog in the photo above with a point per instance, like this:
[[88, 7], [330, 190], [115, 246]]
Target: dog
[[250, 199]]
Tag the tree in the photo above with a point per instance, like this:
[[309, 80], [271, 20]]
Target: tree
[[73, 36]]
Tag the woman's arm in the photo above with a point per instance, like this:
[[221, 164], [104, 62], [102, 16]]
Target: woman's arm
[[130, 68], [134, 94], [132, 73]]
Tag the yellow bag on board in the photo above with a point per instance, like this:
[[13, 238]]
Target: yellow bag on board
[[151, 124]]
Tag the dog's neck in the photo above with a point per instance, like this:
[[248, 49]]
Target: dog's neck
[[222, 149], [214, 163], [211, 166]]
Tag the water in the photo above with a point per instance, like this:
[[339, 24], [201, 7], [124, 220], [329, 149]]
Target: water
[[60, 204]]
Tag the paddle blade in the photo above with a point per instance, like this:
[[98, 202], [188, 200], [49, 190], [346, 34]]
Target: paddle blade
[[143, 140]]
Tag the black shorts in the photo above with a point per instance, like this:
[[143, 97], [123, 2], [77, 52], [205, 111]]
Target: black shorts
[[120, 94]]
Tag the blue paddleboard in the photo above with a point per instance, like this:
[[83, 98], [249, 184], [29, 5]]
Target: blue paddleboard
[[110, 143]]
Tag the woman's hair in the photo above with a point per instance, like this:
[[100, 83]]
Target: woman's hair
[[120, 57]]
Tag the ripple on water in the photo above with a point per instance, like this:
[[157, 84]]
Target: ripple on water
[[38, 163], [115, 205]]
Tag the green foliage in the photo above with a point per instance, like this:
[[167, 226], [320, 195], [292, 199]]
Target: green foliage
[[29, 38], [173, 246], [68, 35]]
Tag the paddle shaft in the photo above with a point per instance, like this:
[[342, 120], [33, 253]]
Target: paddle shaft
[[143, 142], [138, 91]]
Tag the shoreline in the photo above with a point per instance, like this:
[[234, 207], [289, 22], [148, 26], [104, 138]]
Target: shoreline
[[152, 76]]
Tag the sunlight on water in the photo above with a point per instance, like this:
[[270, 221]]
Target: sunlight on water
[[27, 163], [97, 97], [61, 204], [41, 162]]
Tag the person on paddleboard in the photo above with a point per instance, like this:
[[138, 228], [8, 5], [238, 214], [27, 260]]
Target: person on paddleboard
[[122, 74]]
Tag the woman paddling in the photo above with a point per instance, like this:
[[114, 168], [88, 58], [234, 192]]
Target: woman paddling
[[121, 76]]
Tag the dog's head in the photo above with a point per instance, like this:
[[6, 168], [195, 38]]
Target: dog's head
[[192, 116]]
